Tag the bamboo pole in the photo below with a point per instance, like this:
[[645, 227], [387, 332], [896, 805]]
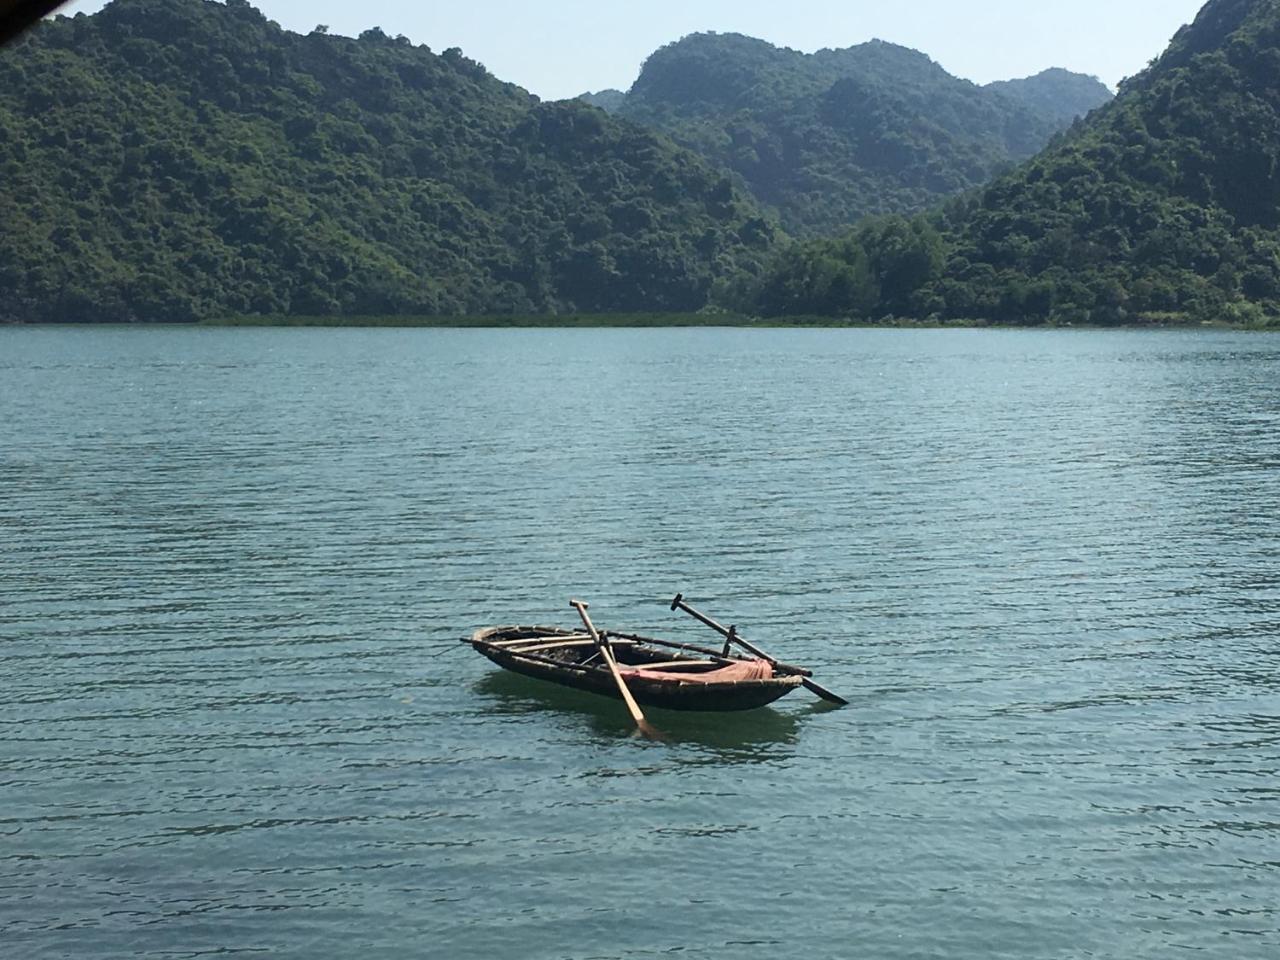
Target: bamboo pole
[[636, 713]]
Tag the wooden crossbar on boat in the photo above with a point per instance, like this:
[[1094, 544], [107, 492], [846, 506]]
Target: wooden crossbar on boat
[[564, 643], [516, 643]]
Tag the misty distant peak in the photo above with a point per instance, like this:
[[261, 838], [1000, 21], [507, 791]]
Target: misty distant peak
[[1057, 92]]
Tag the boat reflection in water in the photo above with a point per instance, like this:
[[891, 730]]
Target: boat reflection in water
[[751, 736]]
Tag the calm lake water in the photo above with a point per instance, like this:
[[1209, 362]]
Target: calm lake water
[[235, 717]]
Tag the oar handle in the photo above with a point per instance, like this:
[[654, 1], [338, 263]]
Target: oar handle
[[732, 634], [581, 607]]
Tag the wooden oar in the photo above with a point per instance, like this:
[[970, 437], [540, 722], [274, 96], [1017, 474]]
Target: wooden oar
[[731, 634], [641, 723]]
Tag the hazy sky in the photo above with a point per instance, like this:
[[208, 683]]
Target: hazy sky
[[560, 48]]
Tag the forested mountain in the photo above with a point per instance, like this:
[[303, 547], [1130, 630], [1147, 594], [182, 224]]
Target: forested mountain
[[177, 159], [1057, 94], [608, 100], [1166, 202], [828, 138]]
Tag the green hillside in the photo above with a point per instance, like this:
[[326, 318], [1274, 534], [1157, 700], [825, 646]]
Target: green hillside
[[610, 101], [1056, 94], [1164, 204], [180, 159], [828, 138]]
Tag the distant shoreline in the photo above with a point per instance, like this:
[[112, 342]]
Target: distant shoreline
[[623, 321], [655, 320]]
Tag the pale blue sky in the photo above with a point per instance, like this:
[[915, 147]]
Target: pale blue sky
[[560, 48]]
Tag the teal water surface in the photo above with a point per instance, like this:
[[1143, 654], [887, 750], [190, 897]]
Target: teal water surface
[[235, 717]]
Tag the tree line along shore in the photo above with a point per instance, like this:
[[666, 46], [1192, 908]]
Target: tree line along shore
[[189, 161]]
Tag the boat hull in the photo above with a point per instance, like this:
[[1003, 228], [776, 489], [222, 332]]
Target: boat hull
[[572, 667]]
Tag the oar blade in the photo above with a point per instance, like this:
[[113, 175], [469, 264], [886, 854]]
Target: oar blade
[[825, 694], [650, 732]]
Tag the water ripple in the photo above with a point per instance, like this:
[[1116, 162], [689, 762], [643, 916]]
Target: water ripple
[[236, 718]]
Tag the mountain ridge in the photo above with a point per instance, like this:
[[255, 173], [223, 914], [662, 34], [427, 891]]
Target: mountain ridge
[[1055, 92], [1164, 203], [180, 159], [828, 137]]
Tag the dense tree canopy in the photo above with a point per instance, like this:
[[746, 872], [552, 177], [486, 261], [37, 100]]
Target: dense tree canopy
[[827, 138], [178, 159], [181, 159], [1164, 204]]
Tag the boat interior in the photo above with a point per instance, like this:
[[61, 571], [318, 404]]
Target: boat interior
[[580, 649]]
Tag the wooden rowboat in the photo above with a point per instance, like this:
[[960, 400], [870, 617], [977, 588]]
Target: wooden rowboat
[[658, 673]]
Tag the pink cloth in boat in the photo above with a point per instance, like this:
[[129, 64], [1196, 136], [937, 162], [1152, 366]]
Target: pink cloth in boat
[[735, 673]]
